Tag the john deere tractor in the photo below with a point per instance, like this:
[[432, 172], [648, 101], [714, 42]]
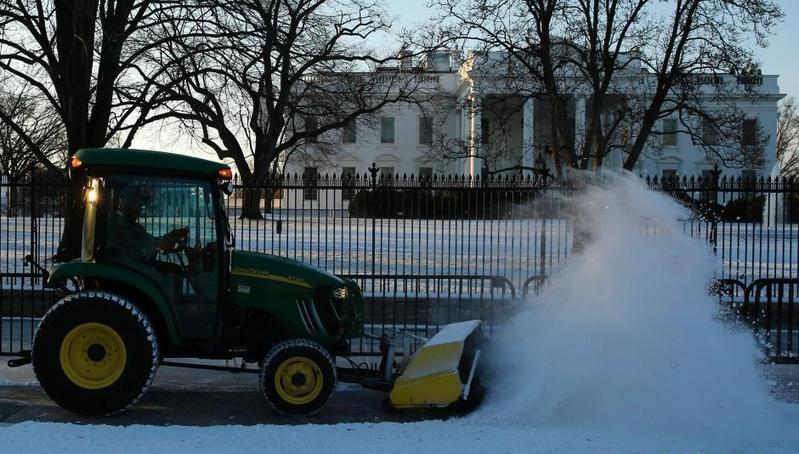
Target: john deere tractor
[[159, 278]]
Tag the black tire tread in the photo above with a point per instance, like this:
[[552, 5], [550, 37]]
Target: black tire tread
[[293, 343], [112, 298]]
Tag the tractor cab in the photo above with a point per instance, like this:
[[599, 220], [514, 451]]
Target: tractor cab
[[170, 229]]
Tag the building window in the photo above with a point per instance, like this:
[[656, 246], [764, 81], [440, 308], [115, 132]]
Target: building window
[[710, 132], [311, 124], [347, 182], [425, 131], [349, 132], [485, 128], [749, 132], [386, 176], [387, 130], [310, 180], [670, 132]]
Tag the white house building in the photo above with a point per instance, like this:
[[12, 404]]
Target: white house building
[[405, 139]]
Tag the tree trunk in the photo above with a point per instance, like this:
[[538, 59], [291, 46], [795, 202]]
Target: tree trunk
[[76, 26], [13, 196], [251, 200], [650, 117], [269, 195], [69, 245], [251, 195]]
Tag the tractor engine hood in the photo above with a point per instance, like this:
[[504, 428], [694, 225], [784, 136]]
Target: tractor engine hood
[[280, 270], [309, 302]]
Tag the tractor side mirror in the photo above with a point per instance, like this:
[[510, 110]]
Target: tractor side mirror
[[227, 187]]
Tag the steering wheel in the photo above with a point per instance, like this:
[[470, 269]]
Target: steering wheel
[[180, 243]]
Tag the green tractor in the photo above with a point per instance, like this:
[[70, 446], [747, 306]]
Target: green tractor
[[159, 277]]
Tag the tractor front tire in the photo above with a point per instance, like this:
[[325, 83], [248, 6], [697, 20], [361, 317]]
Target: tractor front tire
[[298, 377], [95, 353]]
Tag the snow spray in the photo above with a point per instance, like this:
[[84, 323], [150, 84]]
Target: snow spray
[[625, 334]]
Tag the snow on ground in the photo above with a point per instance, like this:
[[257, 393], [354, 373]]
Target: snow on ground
[[513, 248], [622, 352], [464, 436]]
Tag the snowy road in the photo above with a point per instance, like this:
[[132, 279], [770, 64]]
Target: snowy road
[[457, 436], [473, 434], [199, 411]]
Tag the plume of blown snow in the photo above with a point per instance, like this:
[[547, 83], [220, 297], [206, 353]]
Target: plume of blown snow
[[627, 336]]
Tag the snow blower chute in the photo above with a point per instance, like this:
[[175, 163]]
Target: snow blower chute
[[443, 372]]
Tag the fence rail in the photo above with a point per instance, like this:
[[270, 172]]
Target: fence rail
[[433, 250]]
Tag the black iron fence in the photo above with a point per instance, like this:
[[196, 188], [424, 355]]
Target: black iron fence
[[429, 251]]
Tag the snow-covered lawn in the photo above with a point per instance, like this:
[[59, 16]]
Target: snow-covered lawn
[[516, 249]]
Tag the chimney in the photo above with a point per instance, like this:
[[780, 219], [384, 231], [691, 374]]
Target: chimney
[[406, 59], [438, 61]]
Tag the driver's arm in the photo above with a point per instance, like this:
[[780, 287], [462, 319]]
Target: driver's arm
[[167, 242]]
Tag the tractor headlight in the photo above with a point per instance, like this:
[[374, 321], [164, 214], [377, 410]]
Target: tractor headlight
[[93, 191], [341, 293]]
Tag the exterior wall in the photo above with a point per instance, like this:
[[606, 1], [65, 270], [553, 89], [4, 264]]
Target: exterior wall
[[689, 159], [406, 155]]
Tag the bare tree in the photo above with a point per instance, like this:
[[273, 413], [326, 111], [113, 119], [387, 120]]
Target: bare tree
[[31, 136], [515, 49], [697, 38], [83, 57], [635, 62], [32, 142], [266, 80], [788, 137]]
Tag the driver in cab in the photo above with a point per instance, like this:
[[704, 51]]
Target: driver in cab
[[131, 238]]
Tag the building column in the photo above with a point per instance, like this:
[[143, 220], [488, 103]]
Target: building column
[[474, 165], [528, 136], [464, 131], [579, 123]]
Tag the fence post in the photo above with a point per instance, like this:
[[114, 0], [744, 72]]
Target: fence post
[[34, 207], [541, 172], [373, 184], [714, 193]]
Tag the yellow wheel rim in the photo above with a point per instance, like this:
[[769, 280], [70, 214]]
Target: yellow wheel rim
[[93, 355], [299, 380]]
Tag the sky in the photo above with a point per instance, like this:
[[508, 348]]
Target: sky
[[780, 58]]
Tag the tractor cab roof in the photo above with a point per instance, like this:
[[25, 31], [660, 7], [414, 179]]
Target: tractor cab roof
[[124, 160]]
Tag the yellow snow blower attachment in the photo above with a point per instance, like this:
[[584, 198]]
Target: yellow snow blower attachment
[[443, 372]]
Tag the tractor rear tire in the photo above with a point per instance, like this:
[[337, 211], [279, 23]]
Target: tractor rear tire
[[298, 377], [95, 353]]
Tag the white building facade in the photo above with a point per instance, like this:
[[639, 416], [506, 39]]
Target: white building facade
[[406, 139]]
